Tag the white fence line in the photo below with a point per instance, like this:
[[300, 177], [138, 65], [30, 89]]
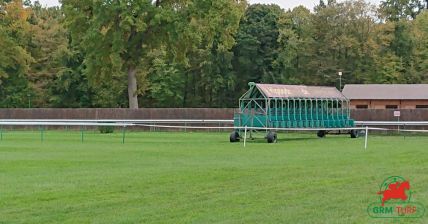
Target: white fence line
[[258, 128], [364, 125], [39, 123], [108, 122], [391, 123], [137, 121], [177, 121], [185, 122]]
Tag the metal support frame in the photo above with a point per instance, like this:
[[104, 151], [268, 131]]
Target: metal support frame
[[123, 134], [81, 134], [41, 128]]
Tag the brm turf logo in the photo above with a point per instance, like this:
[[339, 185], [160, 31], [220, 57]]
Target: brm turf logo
[[395, 201]]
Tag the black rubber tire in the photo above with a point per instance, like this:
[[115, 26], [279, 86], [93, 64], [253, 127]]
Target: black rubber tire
[[321, 134], [354, 133], [234, 136], [271, 137]]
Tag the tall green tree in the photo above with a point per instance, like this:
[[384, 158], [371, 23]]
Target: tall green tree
[[296, 39], [49, 41], [420, 40], [395, 10], [257, 44], [205, 78], [165, 80], [15, 60], [117, 35], [343, 34], [209, 76]]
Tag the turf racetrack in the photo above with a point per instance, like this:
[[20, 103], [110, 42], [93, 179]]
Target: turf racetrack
[[202, 178]]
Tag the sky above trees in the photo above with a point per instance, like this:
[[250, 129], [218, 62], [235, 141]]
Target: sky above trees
[[286, 4]]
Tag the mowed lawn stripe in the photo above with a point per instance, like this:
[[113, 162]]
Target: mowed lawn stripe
[[200, 177]]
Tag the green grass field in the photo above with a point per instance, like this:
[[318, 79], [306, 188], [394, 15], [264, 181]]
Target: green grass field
[[202, 178]]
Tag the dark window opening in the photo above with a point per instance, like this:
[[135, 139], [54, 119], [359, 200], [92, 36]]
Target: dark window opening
[[362, 106], [391, 106], [421, 106]]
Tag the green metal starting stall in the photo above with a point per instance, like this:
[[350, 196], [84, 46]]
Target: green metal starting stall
[[273, 106]]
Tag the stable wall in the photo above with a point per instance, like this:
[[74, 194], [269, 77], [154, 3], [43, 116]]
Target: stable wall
[[381, 104]]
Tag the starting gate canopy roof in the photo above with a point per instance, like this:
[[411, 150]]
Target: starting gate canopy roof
[[298, 91]]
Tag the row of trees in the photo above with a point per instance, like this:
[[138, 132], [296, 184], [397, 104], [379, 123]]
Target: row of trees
[[193, 53]]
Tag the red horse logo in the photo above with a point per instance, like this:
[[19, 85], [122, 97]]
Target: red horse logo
[[395, 190]]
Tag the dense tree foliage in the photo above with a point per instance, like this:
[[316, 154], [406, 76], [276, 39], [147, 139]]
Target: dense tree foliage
[[15, 59], [117, 36], [200, 53]]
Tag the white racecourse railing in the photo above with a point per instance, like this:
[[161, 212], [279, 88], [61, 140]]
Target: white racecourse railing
[[130, 122], [57, 123], [137, 121], [391, 123], [165, 123]]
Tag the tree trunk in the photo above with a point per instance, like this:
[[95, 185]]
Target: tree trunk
[[132, 88]]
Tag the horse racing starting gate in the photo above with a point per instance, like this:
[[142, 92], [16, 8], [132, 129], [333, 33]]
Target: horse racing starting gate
[[273, 106]]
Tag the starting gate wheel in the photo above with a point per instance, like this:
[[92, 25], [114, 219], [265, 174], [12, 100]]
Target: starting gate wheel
[[234, 136]]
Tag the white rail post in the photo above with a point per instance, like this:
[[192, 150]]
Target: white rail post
[[245, 136], [367, 135], [398, 125], [404, 131]]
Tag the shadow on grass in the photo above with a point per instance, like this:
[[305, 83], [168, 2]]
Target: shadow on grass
[[285, 139], [299, 139]]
